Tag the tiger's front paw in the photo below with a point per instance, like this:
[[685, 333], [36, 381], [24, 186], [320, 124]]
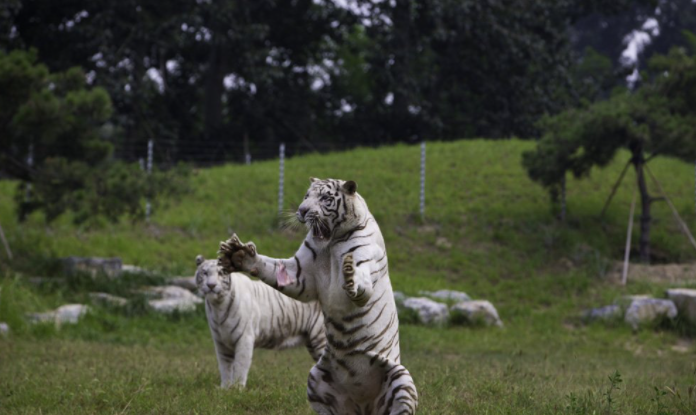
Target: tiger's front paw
[[349, 276], [235, 256]]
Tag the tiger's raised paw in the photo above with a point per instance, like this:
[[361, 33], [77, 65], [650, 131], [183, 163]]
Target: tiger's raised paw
[[235, 256], [349, 286]]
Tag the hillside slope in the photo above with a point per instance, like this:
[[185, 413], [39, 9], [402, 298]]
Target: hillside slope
[[487, 225]]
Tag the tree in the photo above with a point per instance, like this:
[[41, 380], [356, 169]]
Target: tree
[[371, 73], [62, 125], [53, 113], [659, 119], [456, 69]]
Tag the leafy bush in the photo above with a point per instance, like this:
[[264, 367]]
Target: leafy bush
[[55, 119]]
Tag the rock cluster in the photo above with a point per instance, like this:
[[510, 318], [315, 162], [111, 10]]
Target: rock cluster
[[437, 308], [170, 298], [641, 310], [93, 266], [65, 314], [180, 295]]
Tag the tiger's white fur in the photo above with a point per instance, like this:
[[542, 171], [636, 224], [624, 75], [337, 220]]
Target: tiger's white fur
[[343, 264], [243, 314]]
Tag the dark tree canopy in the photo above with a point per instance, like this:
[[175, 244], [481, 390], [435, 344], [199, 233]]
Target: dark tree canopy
[[201, 78]]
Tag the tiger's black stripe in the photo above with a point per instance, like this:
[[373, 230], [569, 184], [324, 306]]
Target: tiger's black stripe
[[299, 269], [362, 313], [353, 249], [314, 253]]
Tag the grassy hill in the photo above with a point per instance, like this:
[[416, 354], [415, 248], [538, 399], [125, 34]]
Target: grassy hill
[[488, 231], [494, 225]]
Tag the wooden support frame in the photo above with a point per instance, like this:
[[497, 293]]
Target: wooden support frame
[[613, 190], [681, 222], [4, 242], [627, 253]]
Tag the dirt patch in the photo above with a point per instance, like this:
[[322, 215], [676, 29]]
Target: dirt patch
[[659, 273]]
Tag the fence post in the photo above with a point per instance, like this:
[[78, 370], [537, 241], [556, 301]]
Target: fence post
[[30, 163], [4, 242], [281, 178], [422, 181], [148, 205], [563, 198], [247, 154]]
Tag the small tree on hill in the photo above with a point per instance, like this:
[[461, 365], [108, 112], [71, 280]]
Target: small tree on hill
[[61, 124], [657, 119]]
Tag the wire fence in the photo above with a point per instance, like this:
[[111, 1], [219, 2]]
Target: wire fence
[[164, 155]]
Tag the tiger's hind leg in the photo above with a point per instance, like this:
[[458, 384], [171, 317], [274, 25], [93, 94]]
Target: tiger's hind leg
[[398, 395], [322, 394]]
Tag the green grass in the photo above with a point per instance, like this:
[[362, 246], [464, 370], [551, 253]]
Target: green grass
[[505, 247]]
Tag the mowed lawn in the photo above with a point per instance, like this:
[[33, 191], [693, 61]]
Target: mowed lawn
[[488, 231], [457, 371]]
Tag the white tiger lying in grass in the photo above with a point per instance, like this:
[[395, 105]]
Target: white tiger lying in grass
[[343, 264], [243, 314]]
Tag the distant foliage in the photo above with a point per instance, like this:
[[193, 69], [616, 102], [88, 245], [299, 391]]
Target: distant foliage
[[60, 122], [371, 73]]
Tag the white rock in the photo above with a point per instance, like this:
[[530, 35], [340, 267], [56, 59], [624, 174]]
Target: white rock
[[47, 317], [4, 329], [132, 269], [399, 297], [111, 267], [170, 305], [625, 301], [171, 298], [69, 313], [602, 313], [171, 291], [447, 295], [476, 312], [108, 299], [442, 242], [685, 300], [188, 283], [649, 310], [429, 312]]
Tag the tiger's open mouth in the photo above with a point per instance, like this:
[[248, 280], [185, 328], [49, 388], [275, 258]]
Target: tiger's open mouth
[[319, 229]]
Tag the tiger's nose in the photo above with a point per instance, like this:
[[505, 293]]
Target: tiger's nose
[[211, 285], [301, 212]]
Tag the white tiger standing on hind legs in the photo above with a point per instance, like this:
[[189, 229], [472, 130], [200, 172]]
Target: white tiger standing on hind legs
[[243, 314], [342, 263]]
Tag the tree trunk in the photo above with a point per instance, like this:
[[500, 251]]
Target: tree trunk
[[401, 68], [214, 89], [645, 201]]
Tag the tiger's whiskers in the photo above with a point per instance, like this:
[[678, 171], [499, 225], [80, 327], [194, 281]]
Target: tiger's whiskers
[[289, 221]]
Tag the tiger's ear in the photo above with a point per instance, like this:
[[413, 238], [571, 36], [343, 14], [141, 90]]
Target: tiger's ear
[[199, 260], [314, 179], [350, 187]]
